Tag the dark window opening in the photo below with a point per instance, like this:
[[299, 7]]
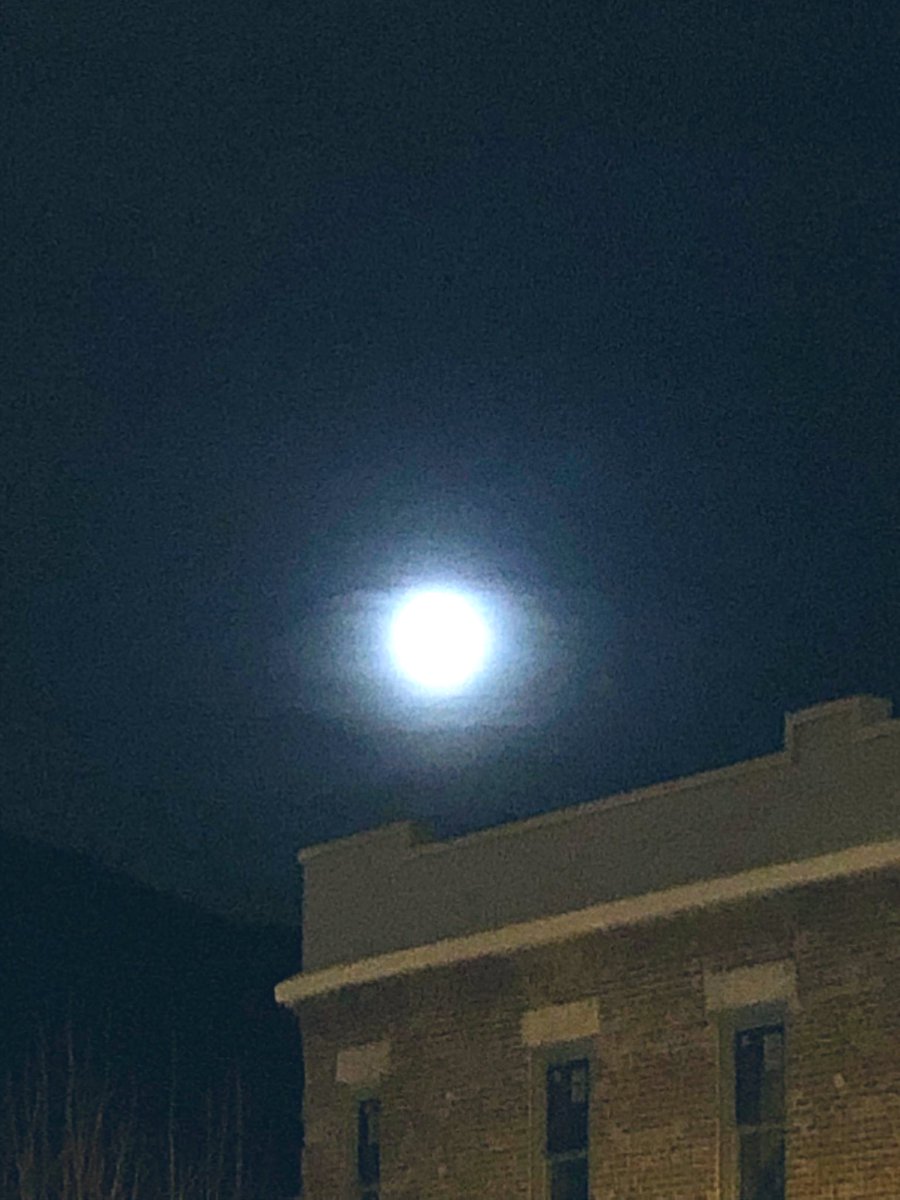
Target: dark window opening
[[759, 1112], [368, 1148], [568, 1101]]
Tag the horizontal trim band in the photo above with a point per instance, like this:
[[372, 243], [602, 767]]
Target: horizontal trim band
[[633, 910]]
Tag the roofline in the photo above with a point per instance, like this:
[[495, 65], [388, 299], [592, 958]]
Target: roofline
[[633, 910], [416, 830], [419, 842], [571, 812]]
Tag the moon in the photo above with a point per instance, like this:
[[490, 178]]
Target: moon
[[438, 640]]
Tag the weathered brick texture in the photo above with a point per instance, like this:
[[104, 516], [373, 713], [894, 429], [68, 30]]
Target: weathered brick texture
[[458, 1118]]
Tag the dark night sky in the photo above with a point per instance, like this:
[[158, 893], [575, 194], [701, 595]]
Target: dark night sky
[[592, 307]]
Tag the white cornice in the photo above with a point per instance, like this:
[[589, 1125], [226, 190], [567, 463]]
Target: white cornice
[[633, 910]]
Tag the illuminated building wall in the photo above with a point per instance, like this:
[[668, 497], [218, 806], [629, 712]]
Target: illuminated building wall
[[690, 991]]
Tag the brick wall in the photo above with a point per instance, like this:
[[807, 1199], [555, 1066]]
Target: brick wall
[[456, 1119]]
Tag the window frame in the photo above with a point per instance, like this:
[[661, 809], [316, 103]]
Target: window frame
[[360, 1190], [730, 1023], [543, 1058]]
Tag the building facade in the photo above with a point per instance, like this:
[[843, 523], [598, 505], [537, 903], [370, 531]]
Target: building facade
[[689, 992]]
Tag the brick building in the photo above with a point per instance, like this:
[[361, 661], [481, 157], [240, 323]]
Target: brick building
[[688, 992]]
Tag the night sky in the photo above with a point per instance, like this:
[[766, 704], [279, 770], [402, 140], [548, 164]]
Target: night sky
[[591, 308]]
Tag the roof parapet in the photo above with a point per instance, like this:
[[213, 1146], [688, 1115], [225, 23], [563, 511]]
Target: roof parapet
[[825, 728], [383, 840], [833, 790]]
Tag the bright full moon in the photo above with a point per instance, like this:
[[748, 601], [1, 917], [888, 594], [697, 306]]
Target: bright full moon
[[438, 640]]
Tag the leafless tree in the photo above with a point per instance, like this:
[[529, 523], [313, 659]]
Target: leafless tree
[[71, 1132]]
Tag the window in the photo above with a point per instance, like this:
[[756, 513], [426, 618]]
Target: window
[[759, 1111], [566, 1142], [368, 1149]]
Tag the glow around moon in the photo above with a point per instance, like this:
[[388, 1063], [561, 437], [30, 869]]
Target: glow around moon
[[438, 640]]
